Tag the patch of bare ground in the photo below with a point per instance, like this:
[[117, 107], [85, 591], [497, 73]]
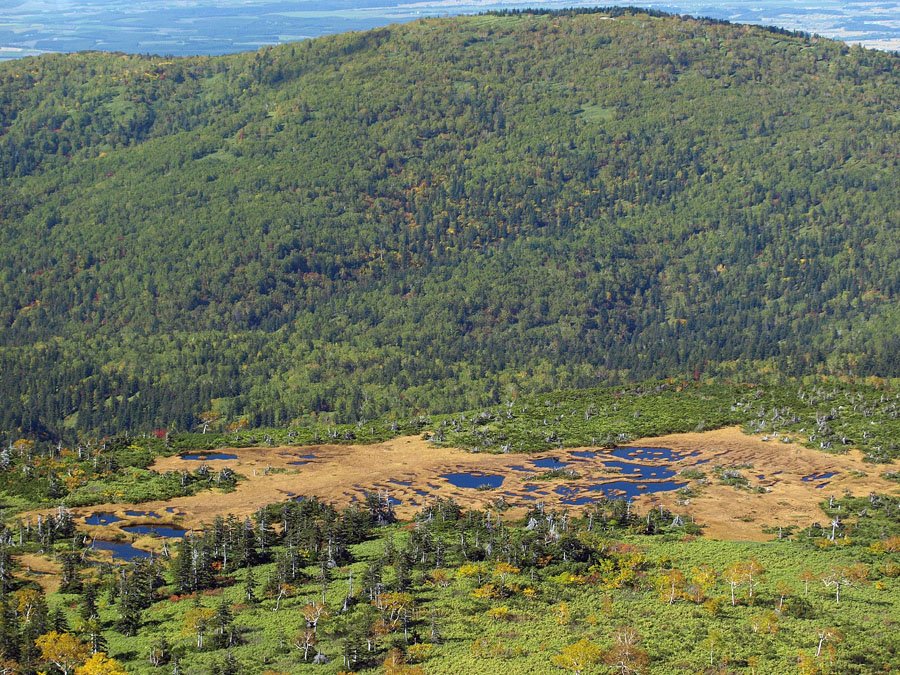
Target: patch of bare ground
[[40, 569], [411, 469]]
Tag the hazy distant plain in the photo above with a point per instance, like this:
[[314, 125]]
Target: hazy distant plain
[[182, 27]]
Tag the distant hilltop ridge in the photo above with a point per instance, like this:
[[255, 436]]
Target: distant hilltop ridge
[[441, 215]]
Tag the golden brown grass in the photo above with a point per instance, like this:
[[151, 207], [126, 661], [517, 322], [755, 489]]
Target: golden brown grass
[[340, 473]]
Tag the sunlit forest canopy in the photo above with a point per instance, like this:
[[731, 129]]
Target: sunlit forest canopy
[[438, 216]]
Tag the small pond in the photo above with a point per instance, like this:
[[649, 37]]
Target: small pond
[[472, 479], [120, 550], [619, 489], [198, 457], [143, 514], [102, 519], [549, 463], [579, 501], [642, 471], [161, 531], [818, 476], [650, 454]]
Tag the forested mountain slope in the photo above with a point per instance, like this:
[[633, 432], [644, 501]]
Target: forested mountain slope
[[435, 215]]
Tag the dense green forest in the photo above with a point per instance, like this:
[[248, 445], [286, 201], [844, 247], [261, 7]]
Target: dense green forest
[[440, 216]]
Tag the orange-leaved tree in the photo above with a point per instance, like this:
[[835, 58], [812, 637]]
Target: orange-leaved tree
[[625, 657], [395, 664], [839, 576]]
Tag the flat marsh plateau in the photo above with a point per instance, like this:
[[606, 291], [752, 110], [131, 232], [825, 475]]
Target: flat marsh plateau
[[783, 484]]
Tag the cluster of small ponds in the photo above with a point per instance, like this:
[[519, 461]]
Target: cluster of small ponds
[[639, 478], [820, 478], [643, 478], [124, 550]]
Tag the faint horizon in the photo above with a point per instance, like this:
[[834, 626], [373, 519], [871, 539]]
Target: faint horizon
[[207, 27]]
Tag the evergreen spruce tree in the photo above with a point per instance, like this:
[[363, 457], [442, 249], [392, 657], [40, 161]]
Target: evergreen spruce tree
[[58, 621]]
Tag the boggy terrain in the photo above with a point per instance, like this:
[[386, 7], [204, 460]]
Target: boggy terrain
[[771, 482]]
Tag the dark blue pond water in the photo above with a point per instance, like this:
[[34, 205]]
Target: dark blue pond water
[[299, 462], [421, 493], [818, 476], [102, 519], [587, 454], [641, 471], [121, 551], [470, 479], [821, 485], [666, 454], [579, 501], [400, 482], [143, 514], [549, 463], [619, 489], [519, 467], [157, 530], [205, 458]]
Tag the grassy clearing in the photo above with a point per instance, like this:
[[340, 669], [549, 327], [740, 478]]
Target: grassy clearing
[[597, 113]]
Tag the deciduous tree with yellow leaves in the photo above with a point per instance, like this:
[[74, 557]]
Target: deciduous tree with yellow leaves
[[578, 656], [100, 664], [63, 650]]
